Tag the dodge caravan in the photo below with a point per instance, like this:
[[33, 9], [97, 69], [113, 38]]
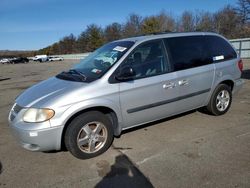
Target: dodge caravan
[[123, 84]]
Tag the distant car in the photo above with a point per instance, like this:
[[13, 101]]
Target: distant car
[[53, 58], [5, 61], [19, 60], [41, 58]]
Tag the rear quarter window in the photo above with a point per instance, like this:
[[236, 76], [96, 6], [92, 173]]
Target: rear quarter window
[[187, 52], [220, 49]]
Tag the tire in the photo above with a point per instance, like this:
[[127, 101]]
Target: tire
[[220, 100], [89, 135]]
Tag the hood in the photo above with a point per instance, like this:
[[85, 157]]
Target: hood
[[46, 92]]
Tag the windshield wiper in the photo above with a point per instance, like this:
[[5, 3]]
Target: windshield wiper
[[74, 71]]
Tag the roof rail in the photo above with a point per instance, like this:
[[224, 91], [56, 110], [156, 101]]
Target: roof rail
[[158, 33]]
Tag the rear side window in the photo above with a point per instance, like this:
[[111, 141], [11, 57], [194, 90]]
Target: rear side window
[[220, 50], [187, 52]]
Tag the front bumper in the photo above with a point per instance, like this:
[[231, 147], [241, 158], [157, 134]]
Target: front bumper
[[39, 140], [34, 136]]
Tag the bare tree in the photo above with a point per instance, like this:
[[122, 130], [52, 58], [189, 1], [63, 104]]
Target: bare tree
[[243, 10], [206, 22], [227, 22], [133, 26], [67, 44], [166, 22], [158, 23], [113, 32], [151, 25], [187, 21]]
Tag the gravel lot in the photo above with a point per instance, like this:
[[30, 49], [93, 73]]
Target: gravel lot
[[189, 150]]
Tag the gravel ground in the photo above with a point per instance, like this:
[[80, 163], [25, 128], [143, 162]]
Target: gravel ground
[[188, 150]]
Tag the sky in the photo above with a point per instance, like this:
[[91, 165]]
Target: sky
[[35, 24]]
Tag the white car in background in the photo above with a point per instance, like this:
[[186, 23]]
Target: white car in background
[[4, 61], [53, 58], [41, 58]]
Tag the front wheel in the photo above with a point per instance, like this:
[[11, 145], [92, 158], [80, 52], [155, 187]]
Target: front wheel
[[89, 135], [221, 100]]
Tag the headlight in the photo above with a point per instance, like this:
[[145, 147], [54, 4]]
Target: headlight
[[34, 115]]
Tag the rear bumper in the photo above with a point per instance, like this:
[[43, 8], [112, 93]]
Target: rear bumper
[[238, 85]]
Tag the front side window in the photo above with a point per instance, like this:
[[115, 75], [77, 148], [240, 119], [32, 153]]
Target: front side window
[[97, 63], [147, 60], [188, 52]]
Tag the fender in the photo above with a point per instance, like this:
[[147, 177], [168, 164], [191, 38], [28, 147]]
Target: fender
[[84, 105], [217, 81]]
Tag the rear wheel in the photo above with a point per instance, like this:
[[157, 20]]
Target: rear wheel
[[221, 100], [89, 135]]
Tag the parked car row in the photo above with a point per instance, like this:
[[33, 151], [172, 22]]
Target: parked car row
[[38, 58], [14, 60]]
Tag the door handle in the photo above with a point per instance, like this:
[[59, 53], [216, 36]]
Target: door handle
[[183, 82], [169, 85]]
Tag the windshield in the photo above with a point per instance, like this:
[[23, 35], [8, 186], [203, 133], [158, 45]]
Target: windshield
[[97, 63]]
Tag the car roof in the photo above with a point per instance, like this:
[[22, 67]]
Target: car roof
[[166, 35]]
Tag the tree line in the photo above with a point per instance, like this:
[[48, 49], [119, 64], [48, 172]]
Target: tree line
[[230, 21]]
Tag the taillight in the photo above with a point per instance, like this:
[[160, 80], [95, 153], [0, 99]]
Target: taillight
[[240, 65]]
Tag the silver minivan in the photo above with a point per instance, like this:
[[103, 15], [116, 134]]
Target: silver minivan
[[123, 84]]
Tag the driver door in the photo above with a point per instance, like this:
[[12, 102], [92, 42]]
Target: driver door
[[147, 97]]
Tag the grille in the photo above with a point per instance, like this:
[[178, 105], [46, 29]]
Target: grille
[[12, 116], [17, 108]]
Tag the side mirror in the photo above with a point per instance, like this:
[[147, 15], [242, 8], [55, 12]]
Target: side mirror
[[126, 74]]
